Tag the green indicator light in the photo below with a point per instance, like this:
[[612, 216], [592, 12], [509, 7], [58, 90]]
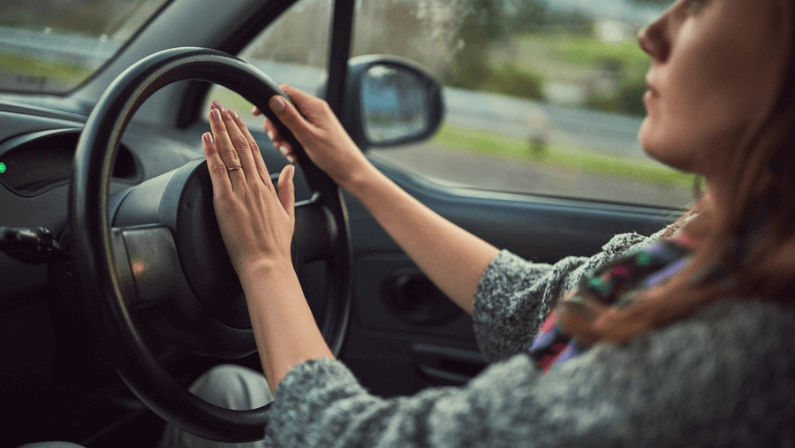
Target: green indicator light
[[643, 259], [2, 167]]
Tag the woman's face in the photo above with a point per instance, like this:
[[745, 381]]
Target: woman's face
[[716, 63]]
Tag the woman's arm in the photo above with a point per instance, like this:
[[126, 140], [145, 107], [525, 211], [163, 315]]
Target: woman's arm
[[451, 257], [711, 380], [257, 225]]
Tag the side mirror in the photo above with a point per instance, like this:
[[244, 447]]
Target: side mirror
[[390, 101]]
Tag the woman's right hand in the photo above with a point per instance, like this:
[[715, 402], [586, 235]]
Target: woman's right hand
[[318, 130], [451, 257]]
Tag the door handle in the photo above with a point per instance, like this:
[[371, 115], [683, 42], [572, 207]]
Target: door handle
[[447, 365], [414, 298]]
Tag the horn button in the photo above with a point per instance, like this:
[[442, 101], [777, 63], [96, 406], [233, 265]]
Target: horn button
[[182, 201]]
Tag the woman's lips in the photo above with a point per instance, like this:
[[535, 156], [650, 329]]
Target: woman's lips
[[651, 89], [650, 94], [650, 86]]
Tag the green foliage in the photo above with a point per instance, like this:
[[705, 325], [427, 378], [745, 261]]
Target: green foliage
[[629, 101], [513, 81], [489, 15], [590, 51], [25, 66], [527, 15], [470, 69], [573, 22]]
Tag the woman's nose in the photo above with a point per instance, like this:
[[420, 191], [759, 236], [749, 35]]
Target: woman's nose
[[645, 41], [652, 40]]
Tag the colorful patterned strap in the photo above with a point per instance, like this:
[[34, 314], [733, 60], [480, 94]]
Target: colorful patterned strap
[[615, 284]]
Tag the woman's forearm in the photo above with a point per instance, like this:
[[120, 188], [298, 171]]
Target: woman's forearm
[[284, 328], [451, 257]]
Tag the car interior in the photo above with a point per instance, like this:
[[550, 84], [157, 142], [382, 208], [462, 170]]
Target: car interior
[[116, 289]]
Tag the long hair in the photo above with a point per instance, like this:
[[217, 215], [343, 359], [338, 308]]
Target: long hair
[[746, 238]]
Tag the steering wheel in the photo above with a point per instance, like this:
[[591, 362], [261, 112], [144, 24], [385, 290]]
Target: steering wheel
[[151, 258]]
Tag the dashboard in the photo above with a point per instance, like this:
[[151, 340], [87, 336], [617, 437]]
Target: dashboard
[[36, 152]]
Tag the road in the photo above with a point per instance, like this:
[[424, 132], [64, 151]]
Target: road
[[468, 169]]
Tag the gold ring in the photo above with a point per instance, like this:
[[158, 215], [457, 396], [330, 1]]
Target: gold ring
[[236, 167]]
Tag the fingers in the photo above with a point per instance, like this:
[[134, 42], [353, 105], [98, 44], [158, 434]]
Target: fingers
[[287, 190], [300, 117], [283, 146], [257, 163], [218, 174], [305, 102], [225, 147]]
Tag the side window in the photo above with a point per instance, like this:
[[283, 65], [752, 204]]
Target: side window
[[286, 57], [542, 96]]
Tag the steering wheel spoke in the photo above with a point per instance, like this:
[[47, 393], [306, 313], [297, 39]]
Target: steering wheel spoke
[[146, 257], [316, 232]]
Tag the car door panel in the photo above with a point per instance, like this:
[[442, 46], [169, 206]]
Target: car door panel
[[393, 353]]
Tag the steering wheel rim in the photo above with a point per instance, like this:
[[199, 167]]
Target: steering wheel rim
[[97, 262]]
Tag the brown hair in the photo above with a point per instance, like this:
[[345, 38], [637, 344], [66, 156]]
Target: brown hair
[[749, 234]]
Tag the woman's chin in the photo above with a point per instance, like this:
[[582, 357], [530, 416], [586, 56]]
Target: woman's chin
[[656, 147], [646, 138]]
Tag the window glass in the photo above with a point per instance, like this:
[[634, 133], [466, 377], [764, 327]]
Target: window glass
[[299, 58], [51, 46], [542, 96]]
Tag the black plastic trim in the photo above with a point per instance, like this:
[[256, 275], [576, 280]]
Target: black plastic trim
[[351, 115], [62, 140], [339, 52]]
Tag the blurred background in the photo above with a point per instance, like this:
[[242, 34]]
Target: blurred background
[[543, 97]]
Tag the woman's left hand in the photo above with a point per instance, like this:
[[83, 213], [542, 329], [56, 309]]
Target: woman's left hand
[[255, 220]]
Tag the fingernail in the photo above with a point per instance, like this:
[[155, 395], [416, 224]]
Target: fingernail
[[284, 150], [277, 104], [216, 114], [291, 159], [233, 114], [208, 137], [254, 110], [270, 135], [217, 105]]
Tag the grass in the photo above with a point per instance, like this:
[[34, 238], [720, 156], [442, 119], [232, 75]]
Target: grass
[[563, 156], [15, 64]]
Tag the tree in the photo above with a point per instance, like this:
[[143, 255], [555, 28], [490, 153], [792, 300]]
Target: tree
[[490, 16], [526, 15]]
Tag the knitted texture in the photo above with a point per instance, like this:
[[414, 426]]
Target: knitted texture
[[722, 377]]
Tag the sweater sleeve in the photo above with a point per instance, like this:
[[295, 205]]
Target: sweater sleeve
[[515, 296], [712, 380]]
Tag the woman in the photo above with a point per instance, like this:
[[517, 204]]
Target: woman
[[682, 339]]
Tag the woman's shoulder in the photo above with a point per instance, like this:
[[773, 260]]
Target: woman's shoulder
[[724, 331], [723, 373]]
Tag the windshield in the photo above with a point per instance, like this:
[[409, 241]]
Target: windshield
[[51, 46]]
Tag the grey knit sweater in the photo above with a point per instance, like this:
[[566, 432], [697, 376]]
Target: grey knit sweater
[[723, 377]]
